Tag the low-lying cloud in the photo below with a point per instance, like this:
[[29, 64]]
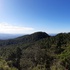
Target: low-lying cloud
[[11, 29]]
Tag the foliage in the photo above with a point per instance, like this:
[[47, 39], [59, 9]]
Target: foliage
[[37, 51], [4, 65]]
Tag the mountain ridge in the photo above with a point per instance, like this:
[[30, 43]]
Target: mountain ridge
[[9, 36], [25, 39]]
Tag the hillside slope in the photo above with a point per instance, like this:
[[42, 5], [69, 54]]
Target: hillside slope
[[25, 39], [38, 51]]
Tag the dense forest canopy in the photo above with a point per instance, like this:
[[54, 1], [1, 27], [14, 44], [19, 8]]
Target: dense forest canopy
[[37, 51]]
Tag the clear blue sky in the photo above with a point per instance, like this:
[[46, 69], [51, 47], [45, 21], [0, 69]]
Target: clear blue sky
[[51, 16]]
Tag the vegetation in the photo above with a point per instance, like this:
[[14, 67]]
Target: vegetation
[[37, 51], [4, 65]]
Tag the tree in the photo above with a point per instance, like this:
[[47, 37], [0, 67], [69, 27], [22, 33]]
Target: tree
[[15, 57], [18, 57]]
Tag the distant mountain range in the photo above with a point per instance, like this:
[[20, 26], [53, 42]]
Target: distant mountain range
[[52, 34], [9, 36]]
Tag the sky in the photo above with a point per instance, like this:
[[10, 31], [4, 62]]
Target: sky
[[28, 16]]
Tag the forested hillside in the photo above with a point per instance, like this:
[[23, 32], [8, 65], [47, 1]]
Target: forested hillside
[[37, 51]]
